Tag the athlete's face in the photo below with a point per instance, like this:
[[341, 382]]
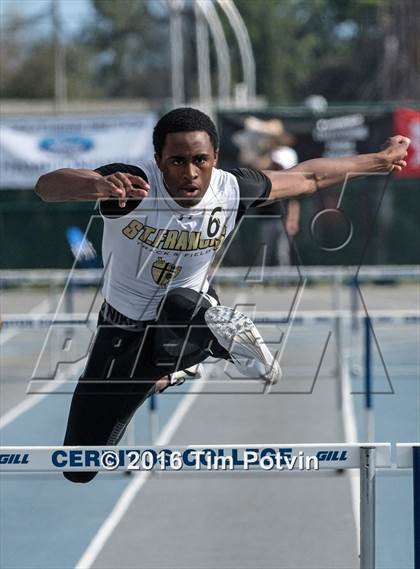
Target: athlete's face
[[186, 163]]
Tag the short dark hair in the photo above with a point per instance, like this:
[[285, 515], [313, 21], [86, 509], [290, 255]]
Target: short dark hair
[[184, 119]]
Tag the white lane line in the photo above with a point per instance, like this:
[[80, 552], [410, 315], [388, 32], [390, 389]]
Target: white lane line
[[285, 338], [20, 408], [350, 436], [8, 334], [127, 497], [49, 387], [28, 403]]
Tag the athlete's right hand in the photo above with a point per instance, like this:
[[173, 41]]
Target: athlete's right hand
[[122, 186]]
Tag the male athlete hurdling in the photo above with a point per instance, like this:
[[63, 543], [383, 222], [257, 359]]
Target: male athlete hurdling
[[163, 223]]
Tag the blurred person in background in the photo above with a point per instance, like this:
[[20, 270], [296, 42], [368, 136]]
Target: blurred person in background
[[283, 223], [266, 145]]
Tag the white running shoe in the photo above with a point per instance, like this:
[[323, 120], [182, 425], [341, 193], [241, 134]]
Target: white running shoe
[[240, 337]]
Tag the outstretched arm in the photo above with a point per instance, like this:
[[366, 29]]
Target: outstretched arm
[[70, 184], [312, 175]]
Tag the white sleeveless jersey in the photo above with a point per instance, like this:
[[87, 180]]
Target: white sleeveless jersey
[[160, 245]]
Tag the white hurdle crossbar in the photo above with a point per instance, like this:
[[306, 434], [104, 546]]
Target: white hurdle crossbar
[[311, 317], [277, 457], [228, 275]]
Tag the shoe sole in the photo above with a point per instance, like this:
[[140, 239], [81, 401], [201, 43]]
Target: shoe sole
[[240, 337]]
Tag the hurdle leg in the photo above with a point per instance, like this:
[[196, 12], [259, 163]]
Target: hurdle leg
[[69, 304], [416, 504], [153, 419], [337, 327], [367, 507], [339, 361], [354, 304], [369, 414]]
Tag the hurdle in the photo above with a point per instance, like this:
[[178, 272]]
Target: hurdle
[[333, 318], [337, 276], [303, 318], [228, 275], [266, 458]]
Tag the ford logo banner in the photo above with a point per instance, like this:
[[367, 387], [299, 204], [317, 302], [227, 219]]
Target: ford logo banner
[[66, 144]]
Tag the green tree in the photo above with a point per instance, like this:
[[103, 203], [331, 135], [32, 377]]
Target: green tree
[[346, 50], [131, 43], [337, 48], [27, 62]]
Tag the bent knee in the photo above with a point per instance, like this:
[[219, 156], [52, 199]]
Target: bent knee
[[180, 295], [181, 303], [79, 477]]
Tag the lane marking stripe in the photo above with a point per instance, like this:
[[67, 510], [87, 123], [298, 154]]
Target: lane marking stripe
[[25, 404], [127, 497], [8, 334], [35, 398]]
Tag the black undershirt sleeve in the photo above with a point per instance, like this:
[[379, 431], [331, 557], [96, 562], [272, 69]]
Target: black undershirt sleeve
[[254, 188], [110, 207]]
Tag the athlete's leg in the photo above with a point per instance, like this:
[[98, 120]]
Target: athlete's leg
[[192, 327], [125, 364], [107, 394], [182, 338]]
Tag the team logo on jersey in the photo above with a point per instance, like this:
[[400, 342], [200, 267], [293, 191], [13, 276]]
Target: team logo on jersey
[[163, 272]]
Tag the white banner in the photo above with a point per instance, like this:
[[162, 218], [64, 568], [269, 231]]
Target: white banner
[[31, 146], [268, 457]]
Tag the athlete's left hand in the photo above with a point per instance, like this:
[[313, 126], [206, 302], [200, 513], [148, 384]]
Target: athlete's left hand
[[394, 152]]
